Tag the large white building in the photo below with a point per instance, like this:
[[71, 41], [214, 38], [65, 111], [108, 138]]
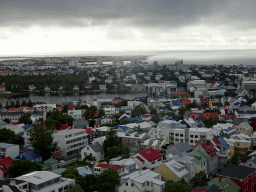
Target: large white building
[[142, 181], [197, 84], [109, 111], [42, 181], [11, 150], [45, 107], [71, 141], [76, 114]]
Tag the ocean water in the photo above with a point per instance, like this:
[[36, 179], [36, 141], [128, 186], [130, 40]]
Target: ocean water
[[206, 57]]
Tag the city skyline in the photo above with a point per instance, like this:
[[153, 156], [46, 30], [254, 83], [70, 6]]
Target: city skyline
[[35, 27]]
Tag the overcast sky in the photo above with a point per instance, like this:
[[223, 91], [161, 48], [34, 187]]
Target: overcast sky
[[46, 26]]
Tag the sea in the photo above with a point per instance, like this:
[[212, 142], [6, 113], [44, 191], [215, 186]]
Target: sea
[[191, 57]]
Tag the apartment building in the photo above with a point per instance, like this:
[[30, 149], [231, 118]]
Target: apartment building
[[45, 107], [13, 116], [109, 111], [76, 114], [42, 181], [71, 141], [7, 149]]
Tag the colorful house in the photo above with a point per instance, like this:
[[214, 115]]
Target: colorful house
[[5, 163]]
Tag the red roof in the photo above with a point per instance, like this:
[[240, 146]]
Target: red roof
[[146, 116], [208, 147], [5, 163], [89, 131], [110, 166], [214, 115], [150, 154], [138, 157], [32, 86], [70, 107], [63, 127], [88, 86], [228, 116], [185, 102], [24, 150], [2, 86], [14, 123]]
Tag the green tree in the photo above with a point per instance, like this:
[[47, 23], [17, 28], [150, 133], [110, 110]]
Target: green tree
[[176, 186], [9, 136], [65, 109], [200, 179], [153, 111], [108, 179], [25, 119], [7, 120], [30, 104], [17, 104], [156, 118], [24, 103], [19, 167], [138, 111], [89, 183], [111, 140], [74, 188], [42, 140], [50, 122], [113, 151], [125, 152]]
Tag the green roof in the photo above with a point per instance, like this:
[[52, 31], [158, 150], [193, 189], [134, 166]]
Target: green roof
[[46, 167], [59, 170], [21, 133], [50, 161], [225, 184], [198, 156]]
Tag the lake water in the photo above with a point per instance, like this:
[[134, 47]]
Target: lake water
[[55, 99]]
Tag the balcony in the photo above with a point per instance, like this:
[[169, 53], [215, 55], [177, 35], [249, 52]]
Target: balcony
[[148, 188]]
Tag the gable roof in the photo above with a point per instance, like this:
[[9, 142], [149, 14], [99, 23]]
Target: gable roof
[[30, 155], [27, 127], [50, 161], [225, 183], [5, 163], [110, 166], [208, 146], [198, 156], [150, 154], [236, 171], [96, 147]]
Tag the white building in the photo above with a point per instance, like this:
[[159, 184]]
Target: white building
[[148, 158], [198, 84], [45, 107], [196, 134], [142, 181], [129, 164], [11, 150], [95, 150], [43, 181], [109, 111], [71, 141], [76, 114]]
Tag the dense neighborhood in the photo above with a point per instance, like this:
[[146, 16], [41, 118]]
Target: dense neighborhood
[[194, 131]]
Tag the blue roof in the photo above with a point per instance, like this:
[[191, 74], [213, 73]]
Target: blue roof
[[199, 122], [27, 127], [223, 142], [124, 128], [169, 118], [176, 102], [29, 155], [133, 118]]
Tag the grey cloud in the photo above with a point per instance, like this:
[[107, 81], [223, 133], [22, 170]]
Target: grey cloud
[[142, 13]]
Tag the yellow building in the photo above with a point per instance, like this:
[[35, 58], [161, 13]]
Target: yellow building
[[173, 170], [245, 128], [213, 101]]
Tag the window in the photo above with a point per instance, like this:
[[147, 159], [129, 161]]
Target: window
[[132, 184], [191, 141], [126, 183], [196, 136]]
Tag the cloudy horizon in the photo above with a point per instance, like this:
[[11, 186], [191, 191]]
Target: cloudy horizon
[[43, 27]]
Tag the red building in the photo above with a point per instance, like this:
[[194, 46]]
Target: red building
[[208, 115], [180, 94], [185, 102], [243, 176]]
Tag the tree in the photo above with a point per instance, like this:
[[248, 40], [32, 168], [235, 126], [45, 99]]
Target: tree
[[153, 111], [176, 186], [25, 119], [65, 109], [9, 136], [138, 111], [30, 104], [108, 179], [89, 183], [113, 151], [156, 118], [125, 152], [42, 140], [111, 140], [50, 122], [74, 188], [200, 179], [8, 121], [23, 167], [17, 104]]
